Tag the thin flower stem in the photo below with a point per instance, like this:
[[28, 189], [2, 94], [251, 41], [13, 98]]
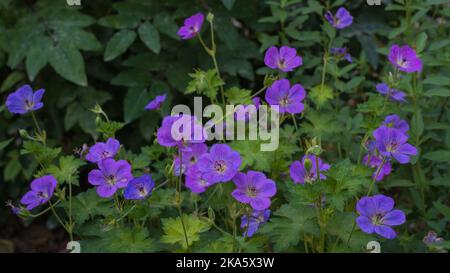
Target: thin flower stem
[[259, 92], [44, 211], [38, 128], [70, 210], [295, 122], [212, 52], [126, 213], [180, 212], [59, 220], [369, 191]]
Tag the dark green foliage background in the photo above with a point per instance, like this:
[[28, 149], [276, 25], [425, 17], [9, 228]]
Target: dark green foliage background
[[120, 54]]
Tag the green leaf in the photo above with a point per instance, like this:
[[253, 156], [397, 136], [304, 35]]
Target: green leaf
[[150, 36], [118, 44], [5, 143], [68, 63], [67, 172], [12, 79], [43, 153], [134, 103], [288, 225], [438, 156], [438, 92], [236, 95], [204, 83], [87, 205], [120, 240], [444, 210], [320, 95], [421, 41], [438, 80], [38, 56], [174, 234]]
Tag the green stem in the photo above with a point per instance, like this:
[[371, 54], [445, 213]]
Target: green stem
[[369, 191], [259, 91], [44, 211], [180, 212], [69, 231]]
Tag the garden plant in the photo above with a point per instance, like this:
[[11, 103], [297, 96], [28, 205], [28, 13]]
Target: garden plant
[[349, 100]]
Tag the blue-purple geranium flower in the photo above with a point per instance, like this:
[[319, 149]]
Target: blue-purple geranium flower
[[257, 217], [139, 188], [284, 59], [394, 121], [41, 191], [255, 189], [102, 150], [306, 170], [110, 176], [393, 94], [195, 181], [288, 98], [392, 142], [377, 216], [219, 165], [180, 130], [341, 53], [341, 20], [189, 157], [405, 59], [23, 100], [156, 103], [375, 161], [192, 26]]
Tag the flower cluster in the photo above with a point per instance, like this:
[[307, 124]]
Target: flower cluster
[[113, 175]]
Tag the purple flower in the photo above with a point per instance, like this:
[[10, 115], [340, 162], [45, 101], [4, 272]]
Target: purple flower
[[288, 98], [195, 181], [393, 94], [376, 215], [341, 53], [257, 217], [219, 165], [394, 121], [180, 131], [306, 171], [255, 189], [139, 188], [405, 59], [41, 191], [189, 157], [341, 20], [432, 238], [393, 143], [23, 100], [102, 150], [110, 176], [191, 27], [375, 161], [285, 59], [156, 103]]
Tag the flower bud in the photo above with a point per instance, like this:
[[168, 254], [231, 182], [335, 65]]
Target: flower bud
[[307, 164], [210, 17]]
